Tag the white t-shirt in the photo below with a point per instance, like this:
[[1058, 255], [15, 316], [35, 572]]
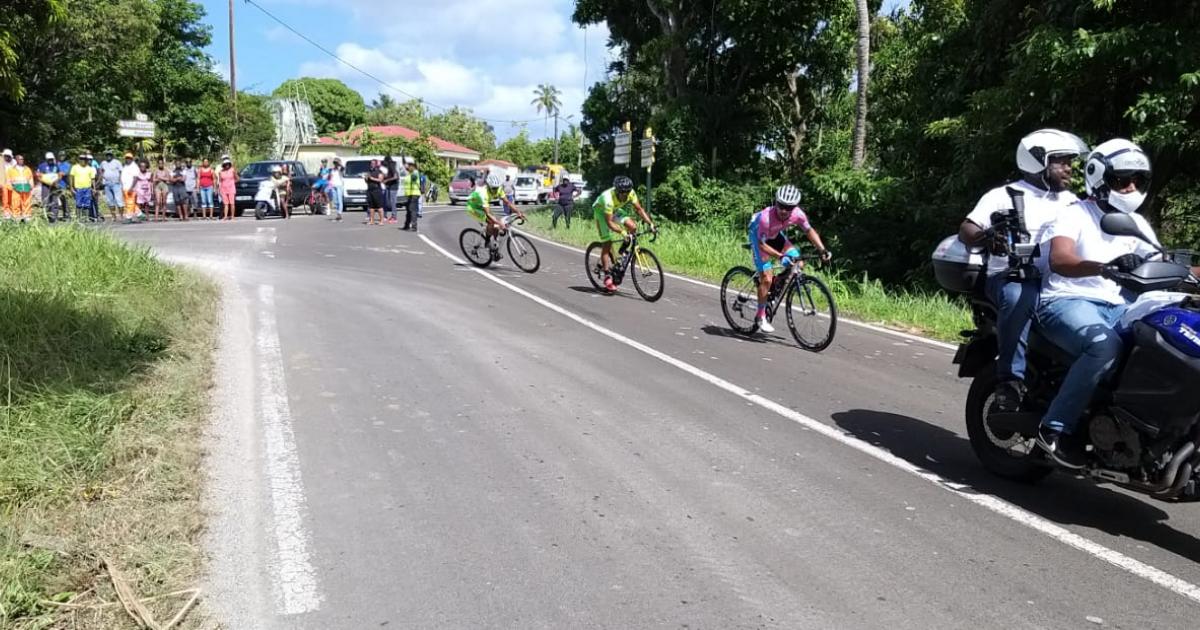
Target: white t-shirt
[[129, 174], [1081, 223], [335, 177], [1041, 209]]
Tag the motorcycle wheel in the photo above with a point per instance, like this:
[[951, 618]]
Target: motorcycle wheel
[[1015, 458]]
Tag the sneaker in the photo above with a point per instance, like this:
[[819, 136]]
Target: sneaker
[[1008, 396], [609, 286], [1061, 447], [495, 254], [765, 325]]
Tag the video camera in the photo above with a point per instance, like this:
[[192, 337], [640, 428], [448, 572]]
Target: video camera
[[1010, 226]]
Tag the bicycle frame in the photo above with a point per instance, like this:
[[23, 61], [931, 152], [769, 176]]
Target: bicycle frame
[[627, 252], [792, 273]]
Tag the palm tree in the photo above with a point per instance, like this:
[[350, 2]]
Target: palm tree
[[859, 154], [545, 97]]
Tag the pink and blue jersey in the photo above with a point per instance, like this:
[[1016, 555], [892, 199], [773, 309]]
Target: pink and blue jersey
[[765, 226]]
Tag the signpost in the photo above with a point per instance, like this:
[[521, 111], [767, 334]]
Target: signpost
[[135, 128], [648, 143], [622, 146]]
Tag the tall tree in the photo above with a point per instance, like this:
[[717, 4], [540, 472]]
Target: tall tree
[[863, 65], [335, 106], [545, 97]]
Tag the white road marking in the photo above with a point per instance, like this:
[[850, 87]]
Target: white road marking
[[852, 322], [296, 587], [999, 506]]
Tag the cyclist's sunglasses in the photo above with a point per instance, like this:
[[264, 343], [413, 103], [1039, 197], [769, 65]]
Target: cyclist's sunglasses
[[1120, 180], [785, 207]]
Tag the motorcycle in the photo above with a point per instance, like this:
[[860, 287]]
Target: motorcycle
[[266, 200], [1142, 426]]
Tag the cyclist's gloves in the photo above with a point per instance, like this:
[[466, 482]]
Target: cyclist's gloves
[[826, 255], [786, 261]]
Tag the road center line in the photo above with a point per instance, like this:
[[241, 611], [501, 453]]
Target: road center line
[[296, 586], [1135, 567]]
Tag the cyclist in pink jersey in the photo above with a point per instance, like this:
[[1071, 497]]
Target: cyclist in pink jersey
[[768, 241]]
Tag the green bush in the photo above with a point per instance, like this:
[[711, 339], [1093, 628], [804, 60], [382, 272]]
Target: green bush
[[686, 197]]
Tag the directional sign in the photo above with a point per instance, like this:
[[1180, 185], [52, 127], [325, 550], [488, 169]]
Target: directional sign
[[135, 128], [622, 146], [647, 152]]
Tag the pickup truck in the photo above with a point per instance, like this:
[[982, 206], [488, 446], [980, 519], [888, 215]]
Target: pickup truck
[[255, 172]]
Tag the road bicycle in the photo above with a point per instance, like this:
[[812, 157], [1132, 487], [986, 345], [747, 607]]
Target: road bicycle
[[477, 246], [811, 311], [639, 262]]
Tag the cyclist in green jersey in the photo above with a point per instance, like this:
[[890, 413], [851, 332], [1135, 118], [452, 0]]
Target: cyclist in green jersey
[[479, 205], [614, 220]]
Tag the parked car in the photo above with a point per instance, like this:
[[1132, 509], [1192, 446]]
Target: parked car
[[528, 189], [255, 172], [460, 184]]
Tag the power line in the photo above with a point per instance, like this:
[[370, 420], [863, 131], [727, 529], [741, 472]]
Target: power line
[[368, 74]]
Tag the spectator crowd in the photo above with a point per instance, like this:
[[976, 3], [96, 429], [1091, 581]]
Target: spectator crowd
[[128, 189]]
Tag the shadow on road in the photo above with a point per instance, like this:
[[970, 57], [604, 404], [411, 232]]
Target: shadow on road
[[1062, 499], [630, 294], [758, 337]]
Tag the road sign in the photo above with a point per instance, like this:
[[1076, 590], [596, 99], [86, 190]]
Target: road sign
[[141, 117], [622, 147], [135, 128], [647, 152]]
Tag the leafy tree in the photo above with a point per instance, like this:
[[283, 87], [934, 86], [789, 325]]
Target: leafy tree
[[386, 111], [421, 149], [862, 51], [335, 106], [23, 20], [460, 126]]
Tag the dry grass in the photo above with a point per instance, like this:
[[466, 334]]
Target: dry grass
[[105, 360]]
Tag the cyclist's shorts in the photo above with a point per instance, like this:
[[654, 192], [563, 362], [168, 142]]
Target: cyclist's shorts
[[320, 184], [763, 262], [606, 233], [477, 214]]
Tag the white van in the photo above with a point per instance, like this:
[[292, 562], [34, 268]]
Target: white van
[[353, 175]]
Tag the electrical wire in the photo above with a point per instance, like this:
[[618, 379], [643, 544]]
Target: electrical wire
[[334, 55]]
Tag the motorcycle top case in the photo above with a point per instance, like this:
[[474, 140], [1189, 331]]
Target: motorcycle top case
[[1179, 326], [959, 268]]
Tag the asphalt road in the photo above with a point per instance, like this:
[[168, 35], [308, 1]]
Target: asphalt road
[[401, 441]]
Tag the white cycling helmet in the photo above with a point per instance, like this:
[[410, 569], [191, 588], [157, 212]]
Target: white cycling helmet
[[493, 180], [1112, 165], [1035, 150], [787, 195], [276, 169]]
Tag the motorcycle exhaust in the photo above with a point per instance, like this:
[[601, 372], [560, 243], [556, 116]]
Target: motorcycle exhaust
[[1172, 475]]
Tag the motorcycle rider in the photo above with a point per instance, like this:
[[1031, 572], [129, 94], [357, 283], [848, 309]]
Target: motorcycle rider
[[1081, 305], [1044, 158]]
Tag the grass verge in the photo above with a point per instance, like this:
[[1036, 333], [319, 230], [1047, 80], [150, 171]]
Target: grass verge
[[105, 357], [707, 252]]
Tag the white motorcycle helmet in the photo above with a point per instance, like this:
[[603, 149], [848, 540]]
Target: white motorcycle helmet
[[1035, 150], [277, 170], [1110, 167]]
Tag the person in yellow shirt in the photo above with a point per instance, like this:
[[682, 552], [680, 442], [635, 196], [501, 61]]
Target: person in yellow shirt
[[20, 182], [6, 162], [80, 179]]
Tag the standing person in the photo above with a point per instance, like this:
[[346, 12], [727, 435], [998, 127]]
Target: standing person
[[189, 185], [391, 187], [375, 193], [179, 192], [110, 179], [162, 187], [227, 184], [94, 209], [412, 193], [144, 186], [53, 186], [421, 199], [129, 174], [20, 183], [81, 177], [510, 191], [6, 162], [564, 196], [336, 185], [205, 178]]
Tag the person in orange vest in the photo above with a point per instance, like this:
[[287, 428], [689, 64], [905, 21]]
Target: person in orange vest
[[20, 182]]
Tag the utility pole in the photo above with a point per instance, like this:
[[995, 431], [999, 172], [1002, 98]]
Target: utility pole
[[232, 65], [556, 136]]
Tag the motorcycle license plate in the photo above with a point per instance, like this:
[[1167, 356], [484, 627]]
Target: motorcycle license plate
[[243, 198]]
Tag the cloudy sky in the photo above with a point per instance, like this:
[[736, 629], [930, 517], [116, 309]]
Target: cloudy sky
[[484, 54]]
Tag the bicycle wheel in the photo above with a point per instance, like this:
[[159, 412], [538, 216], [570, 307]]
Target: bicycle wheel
[[523, 254], [647, 274], [739, 300], [591, 262], [474, 247], [811, 313]]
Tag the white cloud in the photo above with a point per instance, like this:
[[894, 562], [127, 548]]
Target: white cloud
[[488, 55]]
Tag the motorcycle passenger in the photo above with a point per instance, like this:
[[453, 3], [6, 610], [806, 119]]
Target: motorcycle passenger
[[1044, 158], [768, 241], [1081, 305], [280, 184], [614, 221]]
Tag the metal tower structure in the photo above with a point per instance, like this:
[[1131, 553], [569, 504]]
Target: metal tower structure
[[294, 126]]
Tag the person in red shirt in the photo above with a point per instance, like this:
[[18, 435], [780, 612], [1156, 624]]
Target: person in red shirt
[[205, 180]]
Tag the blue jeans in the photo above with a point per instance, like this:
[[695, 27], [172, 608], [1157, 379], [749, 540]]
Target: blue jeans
[[389, 202], [113, 197], [206, 197], [1016, 303], [1085, 330], [335, 198]]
